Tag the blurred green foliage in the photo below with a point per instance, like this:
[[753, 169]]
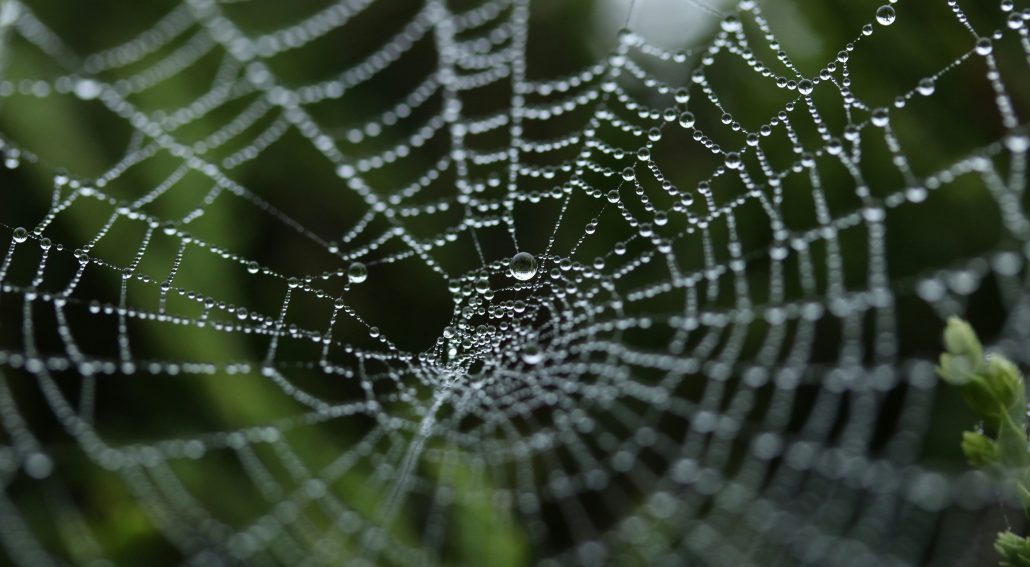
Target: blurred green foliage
[[407, 301]]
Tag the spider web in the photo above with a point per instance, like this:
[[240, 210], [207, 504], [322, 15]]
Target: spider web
[[706, 356]]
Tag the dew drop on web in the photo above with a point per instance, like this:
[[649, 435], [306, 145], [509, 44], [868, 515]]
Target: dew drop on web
[[523, 266]]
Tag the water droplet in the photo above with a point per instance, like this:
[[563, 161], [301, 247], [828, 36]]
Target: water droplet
[[1017, 143], [20, 234], [925, 87], [252, 267], [357, 272], [38, 465], [523, 266], [44, 243], [880, 117], [613, 196], [531, 354], [293, 283], [805, 87], [984, 46], [687, 119], [915, 194], [87, 89], [482, 284], [628, 174], [733, 160], [885, 15], [654, 134], [373, 332], [1015, 21]]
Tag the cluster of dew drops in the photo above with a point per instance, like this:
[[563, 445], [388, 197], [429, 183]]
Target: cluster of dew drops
[[522, 266], [885, 15]]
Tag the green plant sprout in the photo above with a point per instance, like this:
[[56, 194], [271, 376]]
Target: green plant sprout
[[993, 388]]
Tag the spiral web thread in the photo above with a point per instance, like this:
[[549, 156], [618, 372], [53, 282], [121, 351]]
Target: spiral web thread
[[651, 393]]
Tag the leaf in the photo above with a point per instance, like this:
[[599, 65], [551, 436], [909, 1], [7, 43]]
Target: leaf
[[981, 399], [960, 340], [979, 450], [955, 370], [1003, 379], [1013, 549], [1011, 443]]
